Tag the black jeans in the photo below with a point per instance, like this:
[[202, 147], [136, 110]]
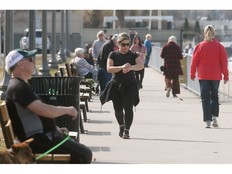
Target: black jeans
[[80, 154], [209, 98]]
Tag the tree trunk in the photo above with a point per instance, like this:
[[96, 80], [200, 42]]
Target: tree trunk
[[121, 22]]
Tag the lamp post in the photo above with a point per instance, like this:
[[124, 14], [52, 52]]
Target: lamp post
[[8, 46], [53, 62], [32, 23], [61, 56], [44, 66], [67, 34], [181, 37]]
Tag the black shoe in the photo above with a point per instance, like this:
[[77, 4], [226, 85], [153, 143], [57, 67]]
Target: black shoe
[[126, 134], [121, 130]]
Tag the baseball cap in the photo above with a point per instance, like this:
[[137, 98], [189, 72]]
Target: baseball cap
[[16, 55], [114, 37]]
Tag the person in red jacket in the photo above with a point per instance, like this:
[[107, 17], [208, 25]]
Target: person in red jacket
[[211, 62]]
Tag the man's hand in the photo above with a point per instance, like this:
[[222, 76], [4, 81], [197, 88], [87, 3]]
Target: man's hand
[[225, 81], [63, 130], [72, 112]]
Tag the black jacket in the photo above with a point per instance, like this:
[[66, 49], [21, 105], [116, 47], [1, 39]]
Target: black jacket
[[104, 53]]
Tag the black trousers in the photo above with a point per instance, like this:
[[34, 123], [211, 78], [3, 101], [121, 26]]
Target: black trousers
[[123, 101], [80, 154], [173, 83], [139, 77]]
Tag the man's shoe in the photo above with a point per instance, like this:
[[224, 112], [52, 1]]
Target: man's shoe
[[208, 124], [168, 92], [215, 123], [126, 134]]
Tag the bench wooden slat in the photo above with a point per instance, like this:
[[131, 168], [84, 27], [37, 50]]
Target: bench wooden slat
[[10, 138]]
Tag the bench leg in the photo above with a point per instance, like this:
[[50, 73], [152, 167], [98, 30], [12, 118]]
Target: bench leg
[[83, 108], [82, 126]]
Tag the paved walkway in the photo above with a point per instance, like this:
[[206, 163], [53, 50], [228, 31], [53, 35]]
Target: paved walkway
[[164, 131]]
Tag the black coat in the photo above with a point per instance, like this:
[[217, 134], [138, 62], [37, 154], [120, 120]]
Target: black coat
[[171, 53], [104, 53]]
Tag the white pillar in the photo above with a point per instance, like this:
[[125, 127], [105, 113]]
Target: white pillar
[[159, 20], [114, 14], [150, 14]]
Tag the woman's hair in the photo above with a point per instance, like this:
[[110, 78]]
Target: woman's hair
[[79, 51], [172, 39], [123, 36], [100, 33], [209, 33], [148, 36], [140, 42]]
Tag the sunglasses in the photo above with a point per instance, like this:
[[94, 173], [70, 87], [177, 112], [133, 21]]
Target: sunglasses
[[125, 44]]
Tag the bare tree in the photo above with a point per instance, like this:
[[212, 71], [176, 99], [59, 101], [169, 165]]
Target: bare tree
[[96, 18], [121, 21]]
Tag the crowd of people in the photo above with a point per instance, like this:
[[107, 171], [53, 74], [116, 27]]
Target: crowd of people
[[118, 65]]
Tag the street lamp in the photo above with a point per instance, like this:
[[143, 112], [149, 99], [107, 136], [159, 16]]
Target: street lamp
[[8, 46], [181, 37], [53, 62], [61, 55]]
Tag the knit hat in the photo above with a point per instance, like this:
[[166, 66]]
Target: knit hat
[[16, 55]]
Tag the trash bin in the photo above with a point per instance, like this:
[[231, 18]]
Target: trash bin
[[59, 91]]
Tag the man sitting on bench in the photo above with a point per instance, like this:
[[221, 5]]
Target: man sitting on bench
[[31, 118]]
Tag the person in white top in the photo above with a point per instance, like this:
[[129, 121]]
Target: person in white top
[[97, 44], [84, 69]]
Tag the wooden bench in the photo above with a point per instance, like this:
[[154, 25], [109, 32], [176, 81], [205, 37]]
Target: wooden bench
[[10, 139], [85, 91], [84, 84], [84, 110], [85, 98]]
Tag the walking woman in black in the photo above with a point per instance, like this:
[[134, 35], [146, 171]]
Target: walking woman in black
[[123, 89]]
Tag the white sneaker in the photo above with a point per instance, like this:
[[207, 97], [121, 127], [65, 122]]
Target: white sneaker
[[215, 123], [168, 92], [208, 124]]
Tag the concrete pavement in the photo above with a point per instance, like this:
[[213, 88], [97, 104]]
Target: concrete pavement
[[164, 131]]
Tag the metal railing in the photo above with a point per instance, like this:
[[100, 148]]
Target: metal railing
[[225, 90]]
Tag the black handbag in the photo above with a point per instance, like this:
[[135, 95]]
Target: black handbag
[[162, 68]]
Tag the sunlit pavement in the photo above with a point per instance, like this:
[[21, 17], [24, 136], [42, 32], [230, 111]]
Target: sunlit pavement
[[164, 131]]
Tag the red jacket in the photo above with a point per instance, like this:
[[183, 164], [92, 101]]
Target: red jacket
[[210, 61]]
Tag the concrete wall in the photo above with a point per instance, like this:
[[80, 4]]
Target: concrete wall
[[88, 35]]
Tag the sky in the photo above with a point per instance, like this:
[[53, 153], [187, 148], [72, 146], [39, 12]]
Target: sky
[[116, 4]]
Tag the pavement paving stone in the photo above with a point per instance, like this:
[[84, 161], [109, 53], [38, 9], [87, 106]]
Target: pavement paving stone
[[164, 130]]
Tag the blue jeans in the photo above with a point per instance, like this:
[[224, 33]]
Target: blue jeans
[[103, 77], [147, 58], [209, 98]]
